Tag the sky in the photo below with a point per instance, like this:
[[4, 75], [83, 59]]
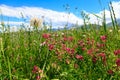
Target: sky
[[55, 10]]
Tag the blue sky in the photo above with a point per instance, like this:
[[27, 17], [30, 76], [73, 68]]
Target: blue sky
[[57, 5], [52, 9]]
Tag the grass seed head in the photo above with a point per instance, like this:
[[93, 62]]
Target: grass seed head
[[36, 22]]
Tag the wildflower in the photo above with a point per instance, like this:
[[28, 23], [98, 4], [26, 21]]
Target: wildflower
[[46, 36], [110, 72], [55, 35], [84, 35], [90, 52], [68, 50], [43, 43], [97, 50], [72, 51], [36, 22], [118, 62], [65, 39], [100, 45], [101, 54], [40, 71], [116, 52], [63, 47], [81, 43], [103, 38], [80, 57], [38, 77], [90, 42], [70, 38], [35, 69], [94, 59], [103, 57], [110, 30], [62, 34], [83, 49], [51, 47]]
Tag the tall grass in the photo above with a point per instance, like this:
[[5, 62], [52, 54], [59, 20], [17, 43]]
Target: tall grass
[[113, 18], [73, 54]]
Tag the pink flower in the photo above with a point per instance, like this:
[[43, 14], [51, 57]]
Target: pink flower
[[65, 39], [90, 42], [81, 43], [116, 52], [100, 45], [68, 50], [38, 77], [72, 51], [110, 72], [94, 59], [101, 54], [80, 57], [83, 49], [51, 47], [103, 57], [103, 38], [46, 35], [63, 47], [35, 69], [43, 43], [90, 52], [70, 38], [118, 62]]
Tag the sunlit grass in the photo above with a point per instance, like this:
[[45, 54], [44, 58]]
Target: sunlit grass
[[90, 52]]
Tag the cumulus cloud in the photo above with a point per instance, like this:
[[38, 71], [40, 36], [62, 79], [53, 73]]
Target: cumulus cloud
[[116, 7], [14, 22], [58, 19], [49, 15], [96, 18]]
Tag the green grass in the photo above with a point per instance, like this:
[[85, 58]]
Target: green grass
[[56, 57], [84, 53]]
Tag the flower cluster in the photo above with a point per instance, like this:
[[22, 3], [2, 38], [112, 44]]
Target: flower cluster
[[118, 62], [103, 38], [117, 52], [72, 51], [38, 72]]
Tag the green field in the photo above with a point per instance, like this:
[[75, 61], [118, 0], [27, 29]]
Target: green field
[[80, 53]]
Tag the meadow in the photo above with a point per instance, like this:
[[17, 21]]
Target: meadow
[[81, 53]]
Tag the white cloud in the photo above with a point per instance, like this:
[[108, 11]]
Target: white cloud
[[94, 19], [14, 22], [58, 19], [116, 7], [50, 15]]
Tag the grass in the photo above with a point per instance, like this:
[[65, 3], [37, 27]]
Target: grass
[[74, 54], [53, 55]]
